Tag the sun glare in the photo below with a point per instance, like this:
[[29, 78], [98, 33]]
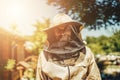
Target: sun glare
[[15, 11], [18, 12], [24, 14]]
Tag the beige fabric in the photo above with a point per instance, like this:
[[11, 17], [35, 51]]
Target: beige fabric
[[82, 70], [63, 19]]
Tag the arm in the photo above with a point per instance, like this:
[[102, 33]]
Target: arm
[[40, 75], [93, 71]]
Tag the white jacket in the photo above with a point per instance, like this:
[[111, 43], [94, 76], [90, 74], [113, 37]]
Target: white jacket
[[82, 70]]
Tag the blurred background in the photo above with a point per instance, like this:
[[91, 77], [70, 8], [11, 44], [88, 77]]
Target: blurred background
[[21, 39]]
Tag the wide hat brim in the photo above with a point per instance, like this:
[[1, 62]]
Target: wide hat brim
[[74, 23]]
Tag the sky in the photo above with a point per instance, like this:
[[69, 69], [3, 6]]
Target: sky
[[102, 31], [25, 13]]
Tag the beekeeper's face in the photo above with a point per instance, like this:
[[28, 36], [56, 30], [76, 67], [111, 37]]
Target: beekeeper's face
[[63, 33]]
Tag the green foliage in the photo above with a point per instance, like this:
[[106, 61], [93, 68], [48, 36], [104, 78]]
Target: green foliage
[[39, 38], [30, 74], [96, 48], [105, 44], [94, 13], [10, 64], [115, 39]]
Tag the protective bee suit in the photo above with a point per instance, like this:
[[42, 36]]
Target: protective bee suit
[[66, 57]]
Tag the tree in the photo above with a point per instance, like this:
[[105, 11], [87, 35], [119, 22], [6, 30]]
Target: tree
[[94, 13], [105, 44], [115, 39], [39, 38], [94, 44]]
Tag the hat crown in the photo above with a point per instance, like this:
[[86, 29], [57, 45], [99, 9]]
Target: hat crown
[[60, 19]]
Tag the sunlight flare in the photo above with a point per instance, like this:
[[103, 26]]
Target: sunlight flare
[[15, 11], [18, 12]]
